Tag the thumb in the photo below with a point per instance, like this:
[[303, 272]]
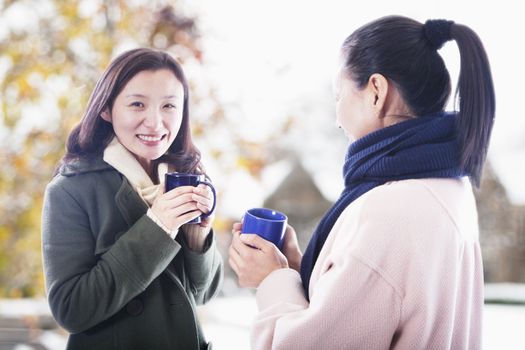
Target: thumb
[[290, 236], [162, 188], [237, 226]]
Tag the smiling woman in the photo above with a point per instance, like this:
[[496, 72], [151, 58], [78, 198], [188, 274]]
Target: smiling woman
[[117, 268], [147, 114]]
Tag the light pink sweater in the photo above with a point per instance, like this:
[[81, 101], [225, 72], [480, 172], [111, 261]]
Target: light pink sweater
[[401, 269]]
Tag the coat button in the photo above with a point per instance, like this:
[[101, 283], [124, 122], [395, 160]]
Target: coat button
[[135, 307]]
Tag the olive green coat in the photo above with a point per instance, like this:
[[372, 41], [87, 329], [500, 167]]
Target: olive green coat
[[115, 279]]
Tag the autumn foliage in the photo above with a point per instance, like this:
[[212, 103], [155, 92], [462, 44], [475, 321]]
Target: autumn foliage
[[47, 70]]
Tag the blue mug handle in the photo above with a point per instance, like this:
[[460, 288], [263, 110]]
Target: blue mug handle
[[214, 197]]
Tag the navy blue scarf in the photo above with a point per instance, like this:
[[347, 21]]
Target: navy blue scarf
[[424, 147]]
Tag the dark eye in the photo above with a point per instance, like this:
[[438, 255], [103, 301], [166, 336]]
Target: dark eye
[[169, 106], [137, 104]]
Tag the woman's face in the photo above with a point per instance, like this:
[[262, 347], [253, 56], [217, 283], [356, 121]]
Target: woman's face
[[354, 107], [147, 114]]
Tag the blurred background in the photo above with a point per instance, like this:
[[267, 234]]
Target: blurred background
[[263, 116]]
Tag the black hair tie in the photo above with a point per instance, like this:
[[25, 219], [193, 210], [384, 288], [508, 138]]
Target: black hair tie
[[437, 32]]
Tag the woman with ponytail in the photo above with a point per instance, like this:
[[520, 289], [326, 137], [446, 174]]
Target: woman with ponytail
[[396, 262]]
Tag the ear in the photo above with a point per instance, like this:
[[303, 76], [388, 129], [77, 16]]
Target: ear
[[106, 115], [378, 86]]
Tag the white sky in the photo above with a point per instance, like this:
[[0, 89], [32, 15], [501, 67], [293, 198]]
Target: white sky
[[268, 56], [275, 58]]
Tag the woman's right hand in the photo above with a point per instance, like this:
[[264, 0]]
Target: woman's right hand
[[291, 249], [176, 207]]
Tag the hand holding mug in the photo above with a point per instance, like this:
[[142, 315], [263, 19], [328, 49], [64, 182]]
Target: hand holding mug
[[203, 196], [185, 201], [205, 199], [291, 249], [266, 223], [176, 207], [254, 252], [175, 180], [253, 258]]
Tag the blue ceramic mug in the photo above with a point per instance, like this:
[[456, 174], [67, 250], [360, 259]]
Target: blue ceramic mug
[[173, 180], [266, 223]]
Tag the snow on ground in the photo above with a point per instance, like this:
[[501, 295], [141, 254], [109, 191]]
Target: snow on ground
[[226, 320], [503, 327], [226, 324]]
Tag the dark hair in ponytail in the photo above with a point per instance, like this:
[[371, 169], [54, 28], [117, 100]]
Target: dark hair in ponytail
[[405, 52], [477, 100]]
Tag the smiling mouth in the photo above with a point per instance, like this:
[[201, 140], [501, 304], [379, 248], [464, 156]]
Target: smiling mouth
[[151, 138]]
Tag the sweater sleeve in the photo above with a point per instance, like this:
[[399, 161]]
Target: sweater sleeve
[[204, 268], [352, 307], [85, 289]]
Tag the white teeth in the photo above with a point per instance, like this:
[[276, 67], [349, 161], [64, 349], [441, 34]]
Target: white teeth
[[150, 138]]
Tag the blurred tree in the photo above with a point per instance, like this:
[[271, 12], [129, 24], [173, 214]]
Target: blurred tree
[[51, 54]]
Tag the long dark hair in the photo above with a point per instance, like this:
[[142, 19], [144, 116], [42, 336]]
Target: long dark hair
[[91, 136], [398, 48]]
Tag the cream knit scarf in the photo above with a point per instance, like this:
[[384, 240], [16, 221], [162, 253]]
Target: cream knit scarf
[[125, 162]]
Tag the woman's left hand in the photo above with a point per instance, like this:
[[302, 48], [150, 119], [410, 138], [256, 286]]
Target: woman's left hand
[[253, 258], [203, 196], [196, 233]]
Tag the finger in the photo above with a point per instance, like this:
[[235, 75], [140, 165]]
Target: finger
[[205, 209], [289, 235], [235, 257], [177, 191], [171, 203], [207, 221], [233, 252], [203, 196], [235, 267], [182, 209], [236, 234], [236, 227], [245, 248], [202, 189], [235, 240], [239, 246], [256, 241], [205, 201], [189, 216]]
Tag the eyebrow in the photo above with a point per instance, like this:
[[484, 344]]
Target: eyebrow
[[144, 96]]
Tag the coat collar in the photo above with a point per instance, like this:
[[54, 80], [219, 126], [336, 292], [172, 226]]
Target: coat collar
[[82, 166], [128, 201]]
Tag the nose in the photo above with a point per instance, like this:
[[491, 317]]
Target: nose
[[153, 119]]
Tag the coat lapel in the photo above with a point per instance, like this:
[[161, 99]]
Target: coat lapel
[[131, 206]]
